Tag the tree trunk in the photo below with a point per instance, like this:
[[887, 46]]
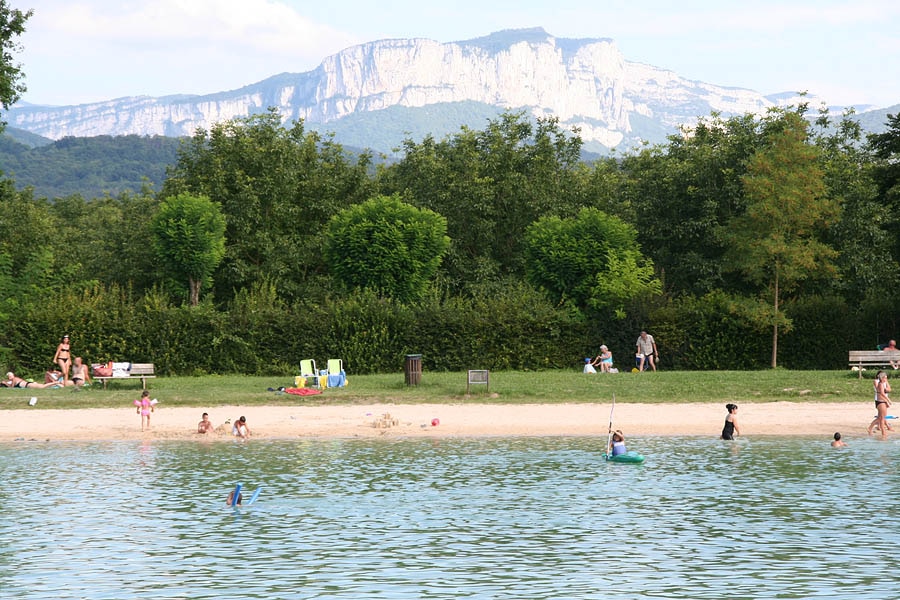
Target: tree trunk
[[194, 285], [775, 325]]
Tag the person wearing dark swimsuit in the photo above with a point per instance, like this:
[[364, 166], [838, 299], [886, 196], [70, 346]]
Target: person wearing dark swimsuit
[[63, 358], [12, 381], [882, 404], [731, 426], [80, 373]]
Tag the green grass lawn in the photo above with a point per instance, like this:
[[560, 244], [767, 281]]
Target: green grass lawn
[[506, 387]]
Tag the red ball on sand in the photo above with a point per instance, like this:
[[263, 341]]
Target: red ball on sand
[[435, 422]]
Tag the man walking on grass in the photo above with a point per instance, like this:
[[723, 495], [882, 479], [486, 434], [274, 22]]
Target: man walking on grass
[[646, 350]]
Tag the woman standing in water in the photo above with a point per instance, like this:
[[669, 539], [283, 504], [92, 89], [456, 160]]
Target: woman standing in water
[[731, 425], [63, 358], [882, 403]]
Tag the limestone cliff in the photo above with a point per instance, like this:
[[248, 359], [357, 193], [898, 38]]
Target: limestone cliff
[[586, 83]]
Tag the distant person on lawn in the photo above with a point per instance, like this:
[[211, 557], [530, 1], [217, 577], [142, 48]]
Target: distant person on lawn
[[12, 381], [80, 373], [647, 351], [63, 357]]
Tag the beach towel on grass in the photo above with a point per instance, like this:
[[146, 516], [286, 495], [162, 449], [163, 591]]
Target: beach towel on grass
[[302, 391]]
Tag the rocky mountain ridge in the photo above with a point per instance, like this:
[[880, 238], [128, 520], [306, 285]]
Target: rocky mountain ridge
[[586, 83]]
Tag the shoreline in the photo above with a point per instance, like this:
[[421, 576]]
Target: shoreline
[[454, 420]]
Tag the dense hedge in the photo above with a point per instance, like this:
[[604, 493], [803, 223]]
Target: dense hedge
[[259, 335], [506, 327]]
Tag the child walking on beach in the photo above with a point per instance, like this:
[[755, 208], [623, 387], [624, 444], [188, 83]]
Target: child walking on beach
[[144, 408]]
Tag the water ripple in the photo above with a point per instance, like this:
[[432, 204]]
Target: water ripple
[[469, 518]]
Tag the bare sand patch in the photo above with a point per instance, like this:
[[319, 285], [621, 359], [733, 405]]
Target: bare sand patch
[[453, 420]]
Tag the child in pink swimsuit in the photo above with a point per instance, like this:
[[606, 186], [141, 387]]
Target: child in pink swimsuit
[[144, 408]]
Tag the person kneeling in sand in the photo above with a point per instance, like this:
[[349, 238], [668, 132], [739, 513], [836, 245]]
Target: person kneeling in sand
[[240, 429]]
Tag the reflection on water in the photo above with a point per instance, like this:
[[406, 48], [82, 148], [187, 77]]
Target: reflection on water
[[458, 518]]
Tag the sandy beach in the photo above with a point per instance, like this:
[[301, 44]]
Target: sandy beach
[[453, 420]]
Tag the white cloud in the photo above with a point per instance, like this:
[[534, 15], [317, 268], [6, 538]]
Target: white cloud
[[91, 50], [261, 25]]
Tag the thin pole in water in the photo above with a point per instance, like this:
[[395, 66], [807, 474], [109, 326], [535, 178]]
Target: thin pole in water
[[609, 439]]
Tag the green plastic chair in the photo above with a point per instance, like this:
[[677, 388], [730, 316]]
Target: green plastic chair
[[308, 370]]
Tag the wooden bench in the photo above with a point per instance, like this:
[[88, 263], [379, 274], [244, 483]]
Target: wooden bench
[[859, 359], [142, 371]]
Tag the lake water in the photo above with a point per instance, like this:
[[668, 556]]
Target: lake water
[[452, 518]]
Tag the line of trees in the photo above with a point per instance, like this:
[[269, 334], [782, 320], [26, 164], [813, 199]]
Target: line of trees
[[745, 242]]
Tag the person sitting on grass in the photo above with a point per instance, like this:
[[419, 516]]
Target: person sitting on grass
[[12, 381], [80, 374], [605, 359]]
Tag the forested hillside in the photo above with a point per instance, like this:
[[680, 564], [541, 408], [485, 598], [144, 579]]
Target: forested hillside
[[92, 167], [750, 242]]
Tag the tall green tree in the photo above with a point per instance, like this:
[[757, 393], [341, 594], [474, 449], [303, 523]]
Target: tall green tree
[[12, 25], [278, 188], [386, 245], [683, 192], [491, 185], [189, 237], [865, 235], [592, 259], [777, 242], [885, 148]]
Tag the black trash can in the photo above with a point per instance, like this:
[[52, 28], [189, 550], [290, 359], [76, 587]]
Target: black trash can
[[412, 369]]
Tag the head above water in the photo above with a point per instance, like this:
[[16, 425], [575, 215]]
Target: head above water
[[618, 436], [731, 407], [837, 435]]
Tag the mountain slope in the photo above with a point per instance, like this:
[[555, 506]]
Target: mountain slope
[[586, 83]]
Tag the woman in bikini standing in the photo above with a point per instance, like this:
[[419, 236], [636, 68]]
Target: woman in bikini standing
[[882, 403], [63, 358]]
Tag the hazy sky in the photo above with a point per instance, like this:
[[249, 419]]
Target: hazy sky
[[847, 51]]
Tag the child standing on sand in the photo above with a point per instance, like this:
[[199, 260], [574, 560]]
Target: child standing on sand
[[144, 408]]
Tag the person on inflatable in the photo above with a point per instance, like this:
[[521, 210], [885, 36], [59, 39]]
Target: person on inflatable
[[617, 446]]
